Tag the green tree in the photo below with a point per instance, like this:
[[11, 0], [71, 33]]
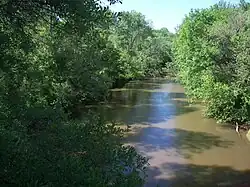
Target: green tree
[[144, 51], [128, 35], [211, 57], [157, 51]]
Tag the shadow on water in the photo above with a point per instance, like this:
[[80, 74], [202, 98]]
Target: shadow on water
[[186, 143], [191, 175]]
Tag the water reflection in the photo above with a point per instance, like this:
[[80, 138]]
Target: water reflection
[[184, 148], [136, 105]]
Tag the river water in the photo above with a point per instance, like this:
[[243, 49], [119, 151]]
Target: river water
[[184, 148]]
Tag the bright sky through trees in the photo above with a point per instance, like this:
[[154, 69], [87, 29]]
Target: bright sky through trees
[[165, 13]]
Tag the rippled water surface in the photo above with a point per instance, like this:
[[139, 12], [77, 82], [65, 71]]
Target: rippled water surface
[[184, 148]]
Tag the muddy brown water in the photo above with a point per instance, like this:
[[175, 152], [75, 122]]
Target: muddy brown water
[[184, 148]]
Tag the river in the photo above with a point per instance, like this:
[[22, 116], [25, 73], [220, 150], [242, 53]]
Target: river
[[184, 148]]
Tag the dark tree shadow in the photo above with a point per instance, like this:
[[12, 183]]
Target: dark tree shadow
[[183, 175], [186, 143]]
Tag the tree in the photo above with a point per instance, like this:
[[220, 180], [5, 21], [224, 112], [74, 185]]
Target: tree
[[211, 56], [158, 53], [128, 35], [144, 51]]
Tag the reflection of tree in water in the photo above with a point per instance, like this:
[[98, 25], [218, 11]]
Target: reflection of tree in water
[[144, 85], [133, 106], [159, 107], [123, 97], [122, 105], [140, 110]]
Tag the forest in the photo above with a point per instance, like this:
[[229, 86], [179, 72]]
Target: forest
[[59, 55]]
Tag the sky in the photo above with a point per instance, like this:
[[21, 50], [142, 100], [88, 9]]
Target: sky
[[165, 13]]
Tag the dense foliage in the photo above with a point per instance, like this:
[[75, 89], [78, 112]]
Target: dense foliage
[[143, 51], [59, 55], [212, 57], [75, 154], [55, 57]]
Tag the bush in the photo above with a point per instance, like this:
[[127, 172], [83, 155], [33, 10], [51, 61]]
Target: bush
[[73, 154]]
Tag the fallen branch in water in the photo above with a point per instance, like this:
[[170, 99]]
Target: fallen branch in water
[[244, 127]]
